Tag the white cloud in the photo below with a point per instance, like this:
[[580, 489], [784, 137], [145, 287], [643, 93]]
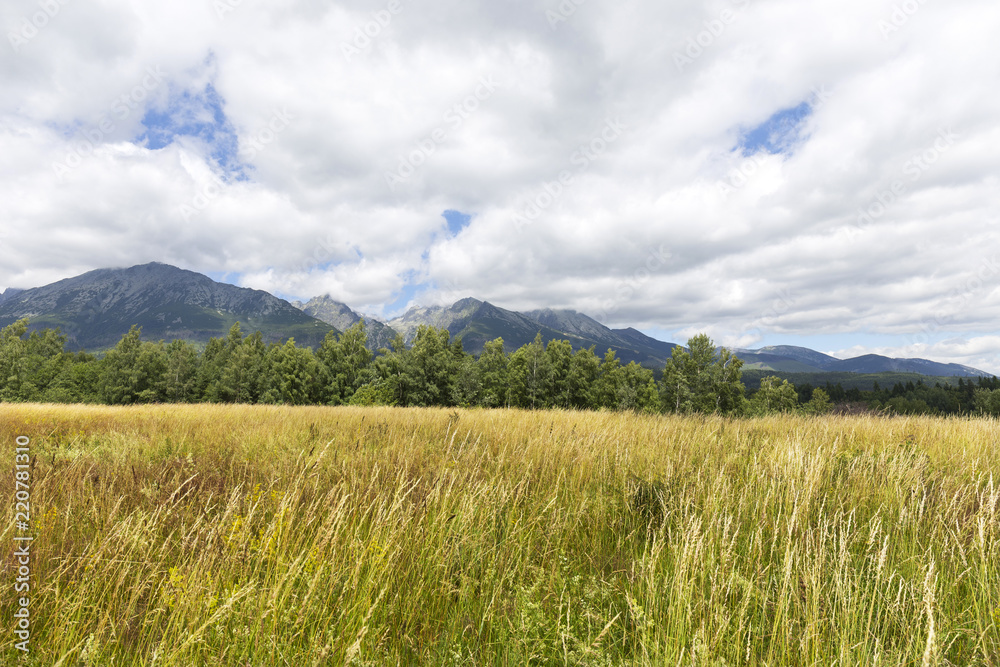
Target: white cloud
[[317, 215]]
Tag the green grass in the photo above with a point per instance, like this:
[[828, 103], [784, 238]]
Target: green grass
[[215, 535]]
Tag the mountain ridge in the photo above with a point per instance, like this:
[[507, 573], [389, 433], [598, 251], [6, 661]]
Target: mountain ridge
[[476, 322], [340, 316], [794, 359], [96, 308]]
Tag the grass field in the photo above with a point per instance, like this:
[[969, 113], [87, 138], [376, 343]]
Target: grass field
[[214, 535]]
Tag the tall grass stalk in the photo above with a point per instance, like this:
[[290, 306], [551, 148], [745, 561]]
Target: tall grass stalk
[[228, 535]]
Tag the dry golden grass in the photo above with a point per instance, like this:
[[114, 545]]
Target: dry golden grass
[[227, 535]]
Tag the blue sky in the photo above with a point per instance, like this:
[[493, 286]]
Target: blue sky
[[457, 221], [199, 114], [778, 134]]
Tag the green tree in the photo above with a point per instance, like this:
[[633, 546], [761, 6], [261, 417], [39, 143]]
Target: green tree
[[386, 378], [12, 349], [559, 358], [467, 385], [610, 382], [774, 395], [181, 375], [818, 404], [629, 387], [701, 379], [528, 372], [639, 391], [493, 376], [346, 359], [581, 380], [78, 382], [134, 371], [30, 367], [987, 401], [242, 371], [430, 368], [291, 376]]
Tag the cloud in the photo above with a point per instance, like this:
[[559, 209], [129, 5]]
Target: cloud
[[263, 152]]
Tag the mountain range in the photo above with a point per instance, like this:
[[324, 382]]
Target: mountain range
[[791, 359], [96, 308], [477, 322], [342, 318]]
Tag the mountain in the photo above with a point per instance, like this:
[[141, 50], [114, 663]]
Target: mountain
[[874, 363], [342, 318], [802, 354], [95, 309], [792, 359], [9, 293], [629, 344], [659, 348], [773, 362], [477, 322]]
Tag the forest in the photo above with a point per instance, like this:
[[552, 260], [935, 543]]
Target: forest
[[435, 371]]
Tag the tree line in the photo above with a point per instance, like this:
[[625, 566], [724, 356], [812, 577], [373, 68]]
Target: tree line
[[433, 370], [969, 396]]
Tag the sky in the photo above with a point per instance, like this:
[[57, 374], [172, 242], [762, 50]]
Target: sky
[[770, 172]]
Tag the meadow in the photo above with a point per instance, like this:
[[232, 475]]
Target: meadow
[[256, 535]]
